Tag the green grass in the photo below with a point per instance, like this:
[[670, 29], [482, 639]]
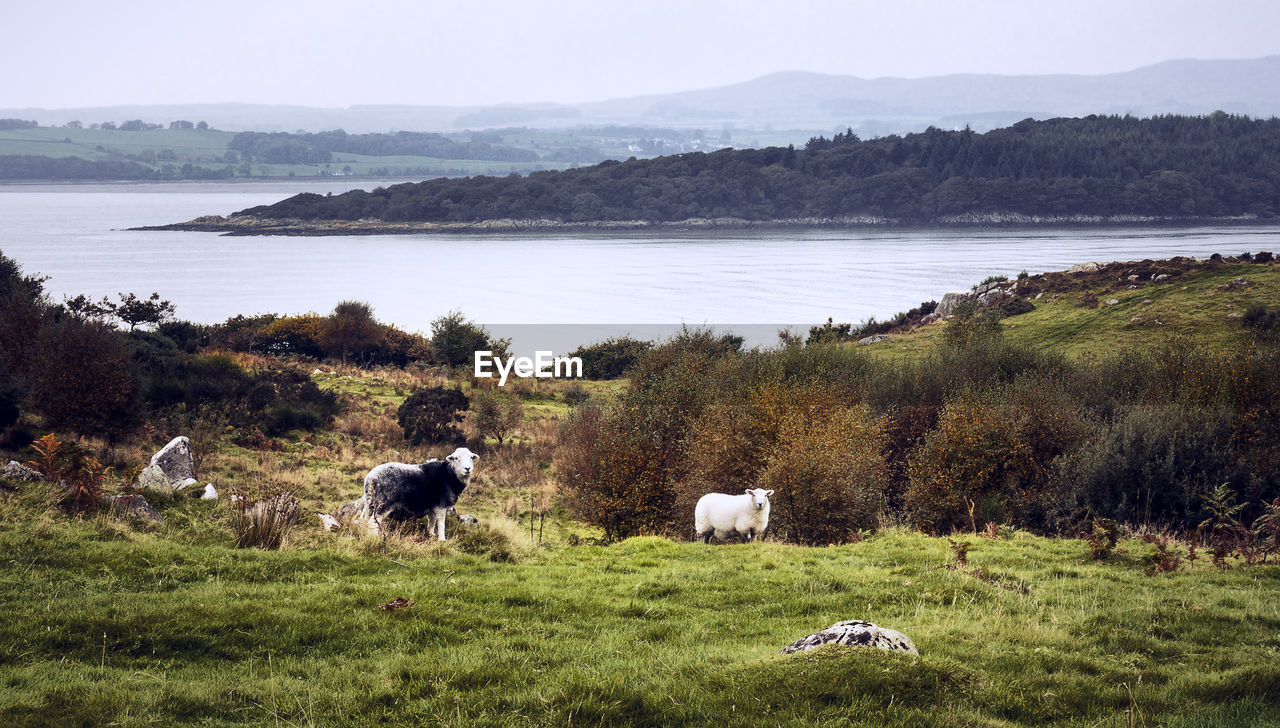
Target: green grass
[[102, 623], [1195, 305]]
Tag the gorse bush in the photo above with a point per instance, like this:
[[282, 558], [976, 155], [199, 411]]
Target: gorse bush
[[431, 415]]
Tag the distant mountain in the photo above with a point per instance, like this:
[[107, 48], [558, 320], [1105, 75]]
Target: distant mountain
[[791, 100]]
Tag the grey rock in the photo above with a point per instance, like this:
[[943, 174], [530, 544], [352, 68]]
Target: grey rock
[[947, 306], [855, 633], [1084, 267], [175, 460], [872, 339], [993, 297], [935, 316], [1161, 277], [153, 478], [18, 472], [135, 506], [1112, 301]]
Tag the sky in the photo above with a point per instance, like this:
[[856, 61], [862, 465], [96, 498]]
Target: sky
[[327, 53]]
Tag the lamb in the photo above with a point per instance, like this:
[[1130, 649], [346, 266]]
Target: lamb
[[404, 492], [724, 515], [855, 632]]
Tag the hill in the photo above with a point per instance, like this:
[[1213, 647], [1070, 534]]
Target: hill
[[812, 101], [1097, 312], [1094, 169]]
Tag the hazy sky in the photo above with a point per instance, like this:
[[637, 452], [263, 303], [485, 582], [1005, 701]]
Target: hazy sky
[[463, 52]]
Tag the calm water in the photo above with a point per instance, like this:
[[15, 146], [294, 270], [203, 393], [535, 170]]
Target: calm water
[[75, 234]]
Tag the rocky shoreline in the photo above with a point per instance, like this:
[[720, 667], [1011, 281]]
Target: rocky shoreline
[[239, 225]]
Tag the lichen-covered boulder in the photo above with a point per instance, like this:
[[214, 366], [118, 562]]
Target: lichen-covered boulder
[[153, 478], [855, 633], [19, 473], [175, 460]]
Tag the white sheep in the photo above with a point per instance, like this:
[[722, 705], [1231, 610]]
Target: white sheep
[[724, 515]]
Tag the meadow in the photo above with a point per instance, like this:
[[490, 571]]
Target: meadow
[[536, 617]]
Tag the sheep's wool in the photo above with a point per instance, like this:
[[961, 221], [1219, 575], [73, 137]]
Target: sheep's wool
[[855, 633]]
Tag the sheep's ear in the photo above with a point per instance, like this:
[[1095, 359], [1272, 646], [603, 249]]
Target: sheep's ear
[[768, 493], [748, 492], [475, 456]]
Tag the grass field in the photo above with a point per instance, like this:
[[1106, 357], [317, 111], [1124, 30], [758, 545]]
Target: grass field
[[105, 624], [1197, 306], [525, 621]]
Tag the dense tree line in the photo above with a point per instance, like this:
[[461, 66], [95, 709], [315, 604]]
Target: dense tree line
[[22, 167], [1178, 166], [285, 148], [12, 124]]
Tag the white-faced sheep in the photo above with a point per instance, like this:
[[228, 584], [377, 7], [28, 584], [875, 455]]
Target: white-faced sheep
[[724, 515], [404, 492], [855, 633]]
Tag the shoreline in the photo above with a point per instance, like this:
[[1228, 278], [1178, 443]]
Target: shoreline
[[237, 225]]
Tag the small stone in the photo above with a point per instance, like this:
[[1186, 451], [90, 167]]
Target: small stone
[[1112, 301], [210, 493], [16, 471]]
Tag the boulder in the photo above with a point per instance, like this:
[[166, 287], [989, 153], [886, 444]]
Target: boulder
[[18, 472], [209, 493], [930, 319], [947, 306], [134, 506], [1084, 267], [153, 478], [993, 297], [855, 633], [175, 460], [872, 339], [1112, 301]]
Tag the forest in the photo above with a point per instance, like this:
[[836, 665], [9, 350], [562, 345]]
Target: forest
[[1180, 167], [285, 148]]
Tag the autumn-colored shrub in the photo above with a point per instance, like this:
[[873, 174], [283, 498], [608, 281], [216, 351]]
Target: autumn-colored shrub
[[828, 474], [298, 335], [496, 414], [990, 457]]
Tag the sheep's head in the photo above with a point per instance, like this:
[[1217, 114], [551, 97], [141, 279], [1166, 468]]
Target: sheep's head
[[463, 462], [759, 497]]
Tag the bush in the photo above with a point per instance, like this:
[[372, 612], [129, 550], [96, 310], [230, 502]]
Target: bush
[[429, 415], [611, 358], [455, 340], [829, 476], [497, 414], [1152, 465], [990, 458]]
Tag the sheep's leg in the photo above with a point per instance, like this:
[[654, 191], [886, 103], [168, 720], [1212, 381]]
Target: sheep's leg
[[438, 516], [751, 534]]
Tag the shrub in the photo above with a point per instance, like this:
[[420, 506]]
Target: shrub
[[296, 335], [576, 395], [611, 358], [429, 415], [990, 458], [496, 414], [454, 340], [829, 476], [351, 330], [1151, 465]]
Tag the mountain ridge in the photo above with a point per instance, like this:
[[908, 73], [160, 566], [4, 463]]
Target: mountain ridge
[[785, 99]]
